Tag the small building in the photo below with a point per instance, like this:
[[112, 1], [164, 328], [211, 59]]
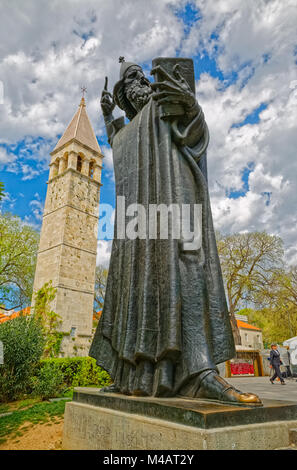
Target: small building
[[248, 360], [251, 336]]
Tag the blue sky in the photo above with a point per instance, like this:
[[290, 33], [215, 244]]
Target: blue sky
[[245, 79]]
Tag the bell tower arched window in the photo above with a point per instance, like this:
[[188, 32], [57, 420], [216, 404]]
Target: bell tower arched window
[[91, 169], [79, 163]]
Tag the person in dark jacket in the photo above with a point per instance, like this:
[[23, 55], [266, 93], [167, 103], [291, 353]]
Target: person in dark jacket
[[275, 362]]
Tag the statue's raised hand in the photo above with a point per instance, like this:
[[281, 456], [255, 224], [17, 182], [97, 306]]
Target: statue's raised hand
[[107, 103], [174, 89]]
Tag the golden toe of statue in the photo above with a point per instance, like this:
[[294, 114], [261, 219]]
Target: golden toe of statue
[[240, 397]]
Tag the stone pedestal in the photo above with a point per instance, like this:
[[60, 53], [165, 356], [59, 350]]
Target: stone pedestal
[[96, 420]]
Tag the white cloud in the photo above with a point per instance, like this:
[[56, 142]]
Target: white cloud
[[256, 40], [108, 160], [103, 252], [37, 207], [60, 46], [28, 172], [31, 159], [8, 201], [6, 158]]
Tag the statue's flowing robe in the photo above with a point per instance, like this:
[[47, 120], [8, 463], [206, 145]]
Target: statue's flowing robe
[[165, 317]]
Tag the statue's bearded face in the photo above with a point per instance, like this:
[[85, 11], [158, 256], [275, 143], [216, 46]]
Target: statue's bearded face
[[137, 87]]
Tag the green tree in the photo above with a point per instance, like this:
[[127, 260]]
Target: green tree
[[48, 382], [273, 323], [23, 343], [278, 300], [18, 250], [287, 281], [248, 261], [50, 320]]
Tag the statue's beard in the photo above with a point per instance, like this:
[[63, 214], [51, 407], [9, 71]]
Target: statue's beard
[[138, 93]]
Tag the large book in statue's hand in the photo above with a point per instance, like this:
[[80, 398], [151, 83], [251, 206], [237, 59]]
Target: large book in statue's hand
[[186, 69]]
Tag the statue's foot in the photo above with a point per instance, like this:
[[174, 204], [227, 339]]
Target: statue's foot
[[214, 387]]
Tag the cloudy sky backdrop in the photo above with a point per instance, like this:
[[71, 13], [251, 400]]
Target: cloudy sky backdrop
[[245, 56]]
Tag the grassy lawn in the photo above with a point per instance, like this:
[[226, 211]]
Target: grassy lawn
[[30, 411], [4, 408]]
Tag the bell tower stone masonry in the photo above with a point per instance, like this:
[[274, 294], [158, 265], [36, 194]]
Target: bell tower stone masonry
[[68, 242]]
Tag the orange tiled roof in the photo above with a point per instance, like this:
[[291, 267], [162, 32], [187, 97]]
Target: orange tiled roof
[[4, 318], [247, 326], [97, 315]]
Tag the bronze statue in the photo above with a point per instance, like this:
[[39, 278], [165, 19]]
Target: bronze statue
[[165, 322]]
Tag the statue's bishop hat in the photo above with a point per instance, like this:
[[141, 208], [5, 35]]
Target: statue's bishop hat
[[118, 90]]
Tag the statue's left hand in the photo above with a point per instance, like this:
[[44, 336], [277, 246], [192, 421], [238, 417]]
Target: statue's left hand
[[174, 89], [107, 103]]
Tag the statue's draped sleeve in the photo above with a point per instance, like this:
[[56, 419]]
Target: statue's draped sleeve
[[113, 127], [194, 134]]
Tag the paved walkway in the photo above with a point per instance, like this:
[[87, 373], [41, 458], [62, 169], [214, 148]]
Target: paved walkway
[[263, 388]]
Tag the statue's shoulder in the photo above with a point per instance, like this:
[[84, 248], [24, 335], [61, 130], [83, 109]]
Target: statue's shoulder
[[114, 127]]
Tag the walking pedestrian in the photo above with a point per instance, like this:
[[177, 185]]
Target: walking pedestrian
[[275, 362]]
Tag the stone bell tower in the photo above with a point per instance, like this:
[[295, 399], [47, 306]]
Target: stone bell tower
[[68, 242]]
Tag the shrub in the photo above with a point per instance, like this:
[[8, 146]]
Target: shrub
[[49, 382], [23, 344], [79, 371]]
